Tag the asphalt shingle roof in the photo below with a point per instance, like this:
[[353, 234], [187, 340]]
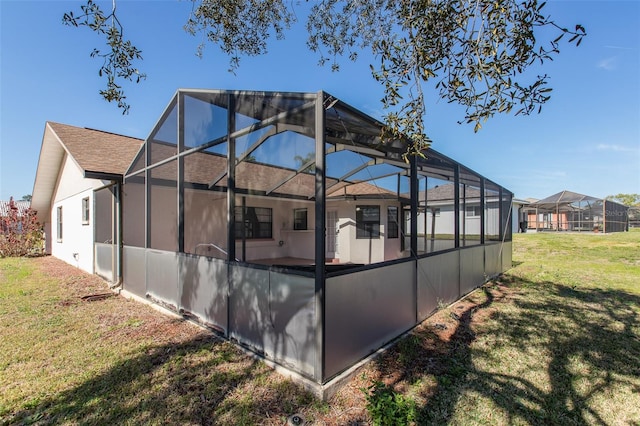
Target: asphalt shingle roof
[[96, 150]]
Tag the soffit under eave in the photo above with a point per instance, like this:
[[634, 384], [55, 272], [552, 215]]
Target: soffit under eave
[[50, 161]]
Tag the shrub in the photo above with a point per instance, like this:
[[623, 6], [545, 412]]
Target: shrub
[[20, 233], [386, 407]]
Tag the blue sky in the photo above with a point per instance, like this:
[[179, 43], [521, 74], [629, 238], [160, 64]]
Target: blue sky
[[587, 138]]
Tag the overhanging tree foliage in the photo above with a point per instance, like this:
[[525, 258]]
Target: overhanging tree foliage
[[630, 200], [475, 52]]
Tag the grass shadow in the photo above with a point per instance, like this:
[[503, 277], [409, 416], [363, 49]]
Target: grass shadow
[[201, 381], [531, 352]]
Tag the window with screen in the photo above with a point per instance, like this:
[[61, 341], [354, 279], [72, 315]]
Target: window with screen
[[367, 221], [85, 211], [254, 223], [300, 219], [59, 224], [473, 211], [392, 222]]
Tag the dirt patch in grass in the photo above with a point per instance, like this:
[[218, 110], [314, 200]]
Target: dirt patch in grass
[[419, 364]]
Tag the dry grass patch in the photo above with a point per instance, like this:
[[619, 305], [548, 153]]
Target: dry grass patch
[[556, 340], [115, 361]]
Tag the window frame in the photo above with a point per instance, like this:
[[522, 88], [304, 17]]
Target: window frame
[[476, 211], [300, 223], [393, 227], [86, 211], [367, 229], [251, 217], [59, 224]]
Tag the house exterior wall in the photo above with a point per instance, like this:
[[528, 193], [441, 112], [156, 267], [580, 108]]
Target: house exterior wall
[[444, 220], [76, 245], [133, 216], [492, 220], [295, 243], [48, 245], [548, 221], [364, 250], [517, 216], [205, 222], [164, 218], [392, 246], [470, 225]]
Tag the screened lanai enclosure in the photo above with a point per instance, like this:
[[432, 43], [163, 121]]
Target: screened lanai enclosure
[[282, 221], [570, 211]]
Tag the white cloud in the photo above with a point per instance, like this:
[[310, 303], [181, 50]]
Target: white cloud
[[615, 148], [620, 47], [608, 64]]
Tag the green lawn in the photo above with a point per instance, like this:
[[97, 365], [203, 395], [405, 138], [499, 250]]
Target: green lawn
[[556, 340]]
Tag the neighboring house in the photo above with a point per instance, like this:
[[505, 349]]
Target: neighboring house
[[353, 204], [436, 216], [438, 213], [74, 163], [281, 220], [5, 210], [520, 214], [21, 205], [571, 211]]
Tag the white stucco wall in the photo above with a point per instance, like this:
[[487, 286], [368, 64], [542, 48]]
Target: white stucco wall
[[164, 218], [76, 246], [444, 222], [364, 250], [206, 222], [299, 244], [133, 214], [392, 246]]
